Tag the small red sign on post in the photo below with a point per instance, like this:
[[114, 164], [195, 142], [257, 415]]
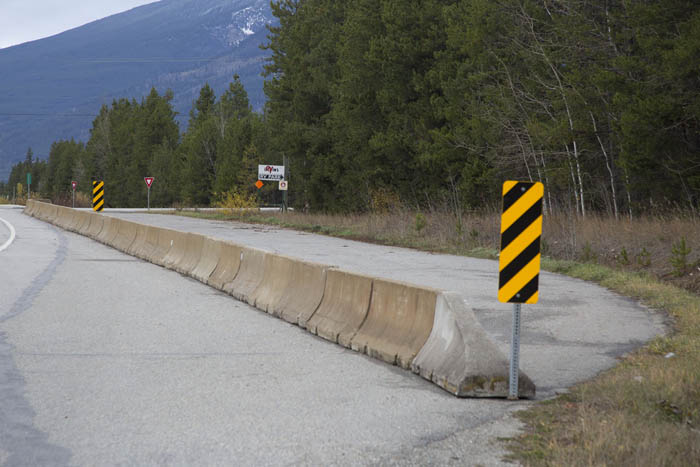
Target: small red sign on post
[[149, 181], [73, 184]]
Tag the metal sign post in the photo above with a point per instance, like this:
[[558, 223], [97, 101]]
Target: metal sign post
[[73, 185], [283, 187], [519, 261], [284, 192], [29, 186], [515, 354]]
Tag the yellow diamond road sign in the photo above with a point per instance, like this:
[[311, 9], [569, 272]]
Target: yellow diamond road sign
[[521, 228]]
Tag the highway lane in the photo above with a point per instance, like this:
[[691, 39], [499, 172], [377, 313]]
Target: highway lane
[[109, 360]]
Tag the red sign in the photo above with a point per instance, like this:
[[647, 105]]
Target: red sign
[[73, 184], [259, 184], [149, 181]]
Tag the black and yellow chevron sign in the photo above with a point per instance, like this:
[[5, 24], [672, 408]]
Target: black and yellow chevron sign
[[521, 228], [98, 195]]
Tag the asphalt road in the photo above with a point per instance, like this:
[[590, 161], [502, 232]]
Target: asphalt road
[[109, 360]]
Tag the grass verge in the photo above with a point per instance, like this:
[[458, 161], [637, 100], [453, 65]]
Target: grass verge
[[644, 411]]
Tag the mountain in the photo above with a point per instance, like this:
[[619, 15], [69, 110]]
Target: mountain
[[52, 88]]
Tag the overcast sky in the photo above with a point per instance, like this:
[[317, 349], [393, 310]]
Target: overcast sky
[[28, 20]]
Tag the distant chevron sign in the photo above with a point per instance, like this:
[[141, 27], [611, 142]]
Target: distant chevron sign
[[98, 195], [521, 229]]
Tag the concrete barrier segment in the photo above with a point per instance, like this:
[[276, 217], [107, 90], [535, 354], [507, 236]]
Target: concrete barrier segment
[[76, 219], [150, 248], [35, 208], [52, 213], [276, 277], [97, 221], [344, 307], [139, 241], [83, 228], [460, 357], [126, 234], [398, 323], [250, 275], [194, 244], [166, 240], [178, 247], [82, 219], [29, 207], [106, 225], [208, 260], [111, 235], [299, 300], [42, 211], [64, 217], [227, 267], [49, 213]]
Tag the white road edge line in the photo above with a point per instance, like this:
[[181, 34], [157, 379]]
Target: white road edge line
[[12, 234]]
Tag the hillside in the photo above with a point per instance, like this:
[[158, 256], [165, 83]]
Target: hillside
[[52, 88]]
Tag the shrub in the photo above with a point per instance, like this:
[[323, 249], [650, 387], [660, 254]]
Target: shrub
[[235, 200], [679, 257]]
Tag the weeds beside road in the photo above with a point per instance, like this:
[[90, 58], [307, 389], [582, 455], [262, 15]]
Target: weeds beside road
[[646, 410]]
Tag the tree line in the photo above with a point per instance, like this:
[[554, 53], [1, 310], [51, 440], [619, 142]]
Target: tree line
[[129, 140], [433, 103]]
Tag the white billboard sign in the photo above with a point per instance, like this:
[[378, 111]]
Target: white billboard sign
[[270, 172]]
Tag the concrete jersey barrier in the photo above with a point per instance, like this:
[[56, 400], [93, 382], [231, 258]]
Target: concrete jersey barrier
[[344, 307], [64, 217], [399, 322], [82, 227], [166, 240], [29, 207], [461, 358], [300, 299], [97, 221], [108, 228], [126, 233], [430, 332], [194, 244], [77, 220], [150, 246], [227, 266], [276, 276], [208, 260], [139, 243], [178, 248], [249, 277]]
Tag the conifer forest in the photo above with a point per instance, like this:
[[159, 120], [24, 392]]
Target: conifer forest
[[429, 103]]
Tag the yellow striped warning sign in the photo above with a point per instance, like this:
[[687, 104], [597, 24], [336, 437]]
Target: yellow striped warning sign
[[521, 229], [98, 195]]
